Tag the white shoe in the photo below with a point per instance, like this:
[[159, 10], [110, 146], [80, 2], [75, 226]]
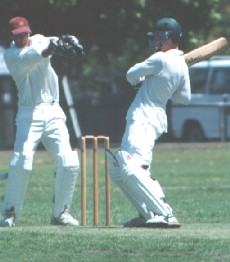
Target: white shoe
[[163, 222], [136, 222], [173, 222], [7, 222], [64, 219], [157, 221]]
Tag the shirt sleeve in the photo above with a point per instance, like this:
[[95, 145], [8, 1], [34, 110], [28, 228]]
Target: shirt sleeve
[[183, 94], [151, 66], [41, 42], [21, 61]]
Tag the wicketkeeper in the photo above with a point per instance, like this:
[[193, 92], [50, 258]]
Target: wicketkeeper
[[162, 76], [39, 119]]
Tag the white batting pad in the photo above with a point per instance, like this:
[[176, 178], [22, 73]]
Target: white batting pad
[[117, 177], [65, 181], [158, 189], [140, 206], [17, 182], [141, 186]]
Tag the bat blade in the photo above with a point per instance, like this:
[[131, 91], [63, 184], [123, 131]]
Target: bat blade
[[205, 51]]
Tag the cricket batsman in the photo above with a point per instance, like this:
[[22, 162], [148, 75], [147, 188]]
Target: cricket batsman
[[39, 119], [161, 77]]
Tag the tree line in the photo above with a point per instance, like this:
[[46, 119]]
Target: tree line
[[113, 32]]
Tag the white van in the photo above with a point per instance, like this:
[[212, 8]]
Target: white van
[[207, 117]]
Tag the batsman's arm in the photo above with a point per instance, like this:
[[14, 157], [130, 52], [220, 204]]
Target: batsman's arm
[[151, 66]]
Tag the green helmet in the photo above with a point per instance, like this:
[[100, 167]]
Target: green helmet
[[165, 28], [171, 26]]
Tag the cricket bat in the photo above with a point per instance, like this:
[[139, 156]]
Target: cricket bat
[[205, 51]]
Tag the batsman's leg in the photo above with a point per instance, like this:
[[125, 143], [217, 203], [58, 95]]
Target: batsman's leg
[[16, 186], [116, 177], [142, 186]]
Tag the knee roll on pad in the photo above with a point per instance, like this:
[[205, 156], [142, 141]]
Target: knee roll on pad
[[68, 161], [20, 162], [127, 164]]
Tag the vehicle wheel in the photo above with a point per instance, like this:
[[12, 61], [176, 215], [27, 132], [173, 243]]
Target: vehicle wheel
[[193, 132]]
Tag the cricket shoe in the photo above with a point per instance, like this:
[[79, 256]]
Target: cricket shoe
[[64, 219], [173, 222], [157, 222], [7, 222], [163, 222]]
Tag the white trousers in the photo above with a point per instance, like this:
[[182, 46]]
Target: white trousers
[[45, 123]]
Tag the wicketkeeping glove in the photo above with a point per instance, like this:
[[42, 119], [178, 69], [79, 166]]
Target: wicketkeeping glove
[[67, 46]]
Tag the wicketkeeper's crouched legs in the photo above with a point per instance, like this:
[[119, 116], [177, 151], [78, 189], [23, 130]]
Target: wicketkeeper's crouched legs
[[16, 185], [65, 180]]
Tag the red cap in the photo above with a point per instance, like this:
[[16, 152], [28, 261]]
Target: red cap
[[19, 25]]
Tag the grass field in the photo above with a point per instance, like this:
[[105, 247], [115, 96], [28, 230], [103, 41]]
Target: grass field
[[196, 181]]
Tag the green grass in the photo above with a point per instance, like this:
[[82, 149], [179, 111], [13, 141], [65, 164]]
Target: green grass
[[195, 178]]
